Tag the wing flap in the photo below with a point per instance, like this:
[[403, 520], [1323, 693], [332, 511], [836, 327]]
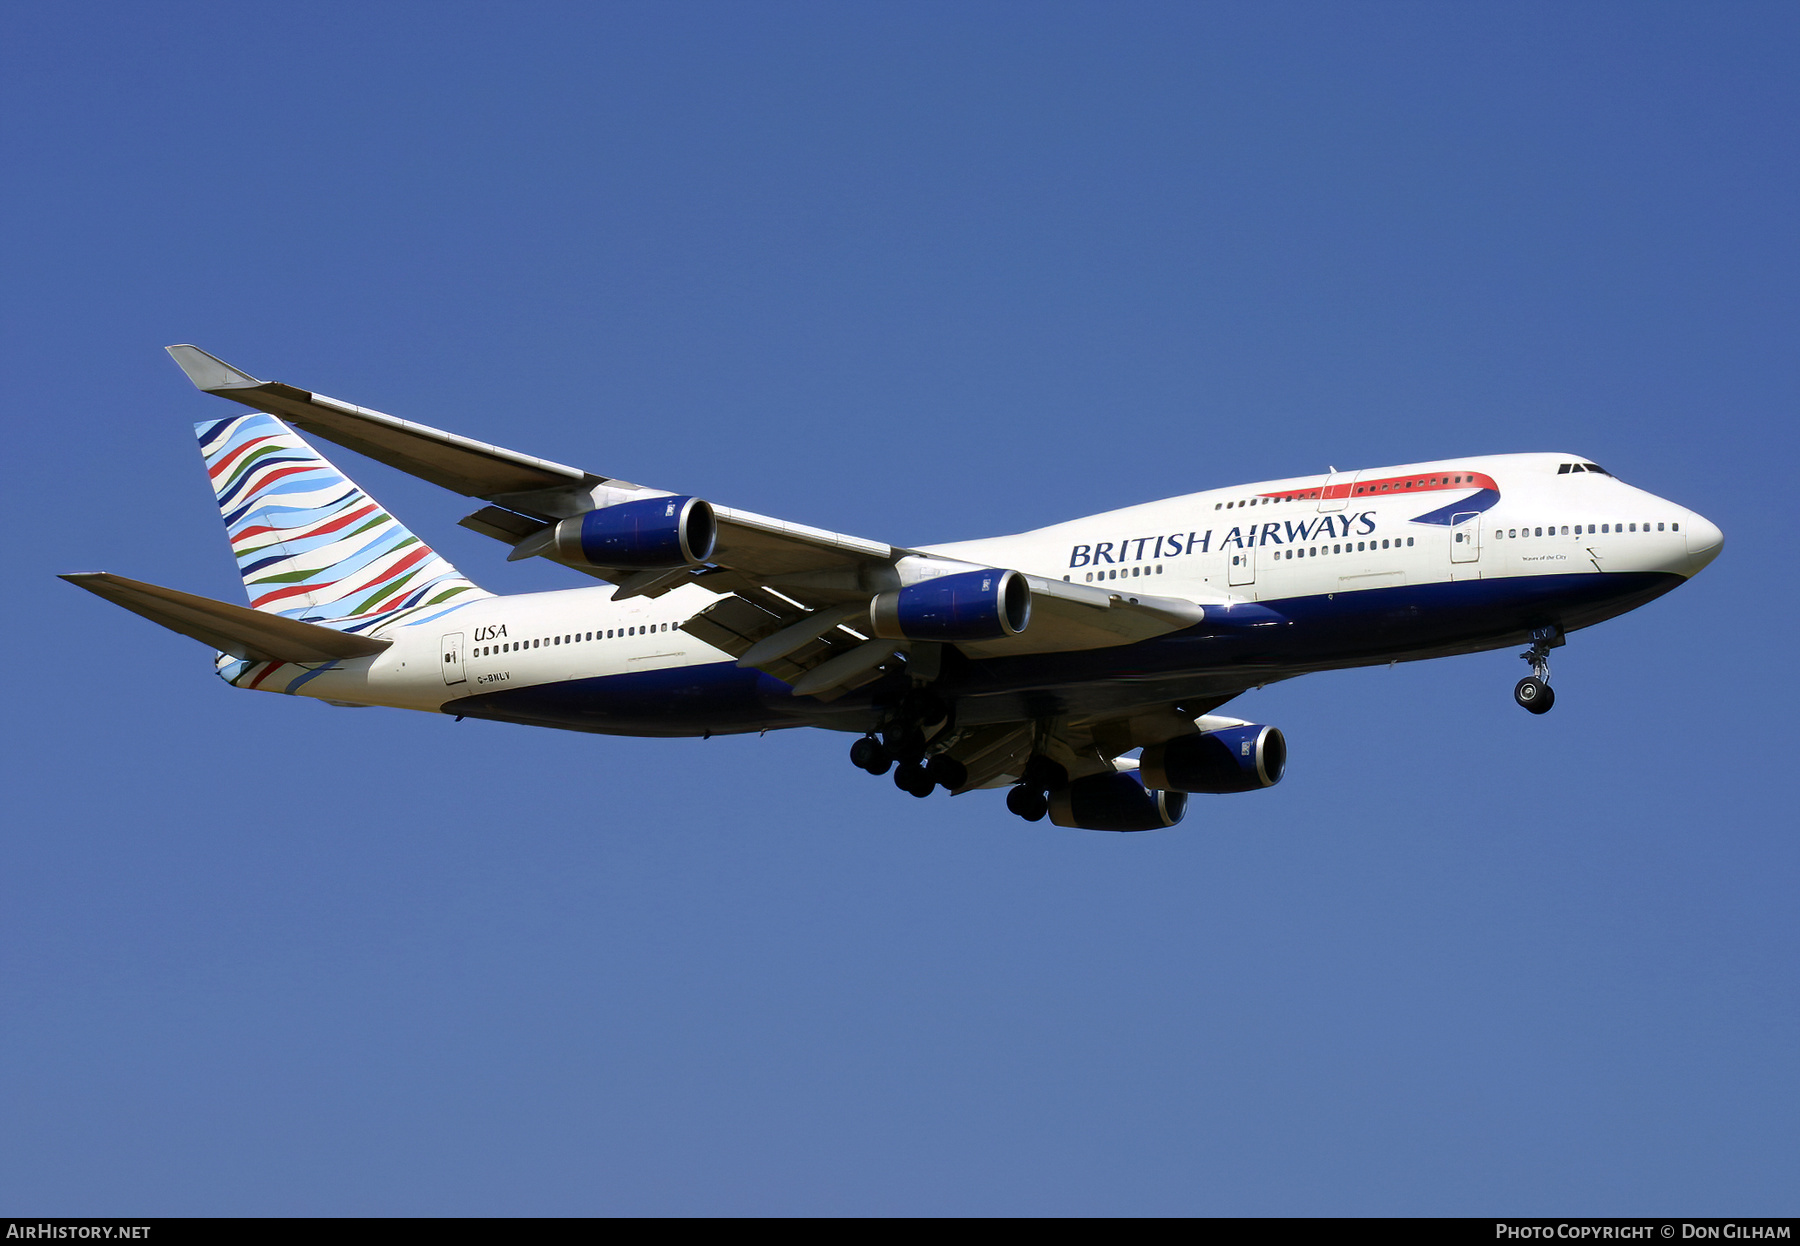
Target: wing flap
[[737, 623], [254, 635], [502, 524], [733, 624]]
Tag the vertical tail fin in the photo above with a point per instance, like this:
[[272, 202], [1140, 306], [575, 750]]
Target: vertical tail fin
[[309, 543]]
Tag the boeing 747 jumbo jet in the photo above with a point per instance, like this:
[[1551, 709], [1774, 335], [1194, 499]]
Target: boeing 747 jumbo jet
[[1034, 662]]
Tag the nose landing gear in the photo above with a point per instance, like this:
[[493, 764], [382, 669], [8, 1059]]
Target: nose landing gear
[[1534, 694], [1534, 691]]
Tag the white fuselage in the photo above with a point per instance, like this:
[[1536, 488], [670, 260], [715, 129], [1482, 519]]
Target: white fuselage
[[1307, 537]]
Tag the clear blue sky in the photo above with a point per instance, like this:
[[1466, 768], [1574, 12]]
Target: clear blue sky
[[920, 272]]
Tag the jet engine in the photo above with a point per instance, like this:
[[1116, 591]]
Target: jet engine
[[1115, 802], [971, 605], [651, 534], [1238, 758]]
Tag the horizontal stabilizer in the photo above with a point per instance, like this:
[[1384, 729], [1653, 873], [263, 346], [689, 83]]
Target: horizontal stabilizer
[[255, 635]]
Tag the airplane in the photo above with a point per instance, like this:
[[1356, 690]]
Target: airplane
[[1036, 662]]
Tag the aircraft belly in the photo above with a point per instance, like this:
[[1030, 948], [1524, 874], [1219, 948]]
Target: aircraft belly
[[717, 698], [1280, 638], [1234, 649]]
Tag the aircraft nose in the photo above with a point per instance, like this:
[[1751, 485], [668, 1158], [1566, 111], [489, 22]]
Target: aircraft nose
[[1704, 541]]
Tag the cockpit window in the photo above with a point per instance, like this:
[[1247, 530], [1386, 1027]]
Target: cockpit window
[[1595, 467]]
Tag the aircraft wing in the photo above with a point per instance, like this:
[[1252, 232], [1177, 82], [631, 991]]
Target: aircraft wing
[[470, 467], [793, 598], [528, 492]]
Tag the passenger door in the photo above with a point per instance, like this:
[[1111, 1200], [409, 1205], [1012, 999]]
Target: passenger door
[[453, 658], [1243, 566], [1465, 537], [1336, 493]]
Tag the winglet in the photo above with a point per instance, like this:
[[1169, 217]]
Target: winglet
[[208, 372]]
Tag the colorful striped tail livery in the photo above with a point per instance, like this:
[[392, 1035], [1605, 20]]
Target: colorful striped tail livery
[[309, 543]]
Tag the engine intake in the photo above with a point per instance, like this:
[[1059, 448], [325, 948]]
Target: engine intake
[[1115, 802], [971, 605], [1229, 759], [652, 534]]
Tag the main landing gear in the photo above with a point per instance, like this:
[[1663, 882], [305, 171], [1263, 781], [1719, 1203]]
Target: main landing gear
[[1534, 691], [903, 747], [867, 754], [921, 778], [1028, 803], [914, 772], [1031, 798]]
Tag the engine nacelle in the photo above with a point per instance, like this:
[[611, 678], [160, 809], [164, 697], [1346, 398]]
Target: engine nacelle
[[972, 605], [646, 535], [1228, 759], [1115, 802]]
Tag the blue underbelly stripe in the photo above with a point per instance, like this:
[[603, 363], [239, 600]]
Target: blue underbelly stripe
[[1253, 642]]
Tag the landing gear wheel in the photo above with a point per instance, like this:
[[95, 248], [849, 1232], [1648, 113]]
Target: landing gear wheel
[[947, 772], [907, 746], [910, 777], [1028, 803], [867, 754], [1043, 774], [1534, 694]]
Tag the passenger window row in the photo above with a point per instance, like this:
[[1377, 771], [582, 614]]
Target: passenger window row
[[1126, 572], [571, 638], [1388, 486], [1373, 486], [1418, 482], [1605, 528], [1313, 551]]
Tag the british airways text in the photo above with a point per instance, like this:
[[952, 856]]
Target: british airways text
[[1282, 532]]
